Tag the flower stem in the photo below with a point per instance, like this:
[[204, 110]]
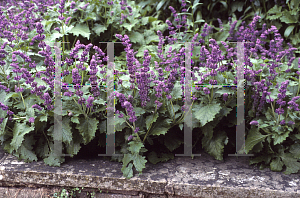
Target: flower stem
[[182, 117], [272, 107], [173, 110], [23, 101], [150, 125], [80, 108], [298, 86]]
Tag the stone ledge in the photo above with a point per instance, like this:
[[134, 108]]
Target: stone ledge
[[182, 177]]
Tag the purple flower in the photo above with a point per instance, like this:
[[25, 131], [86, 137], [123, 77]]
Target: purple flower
[[225, 96], [254, 122], [130, 138], [90, 101], [68, 19], [282, 122], [31, 120], [72, 6], [136, 129]]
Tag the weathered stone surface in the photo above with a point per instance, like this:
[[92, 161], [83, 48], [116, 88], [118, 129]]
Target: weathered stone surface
[[199, 177]]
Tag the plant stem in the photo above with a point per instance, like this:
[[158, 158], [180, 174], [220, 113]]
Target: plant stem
[[150, 125], [80, 108], [182, 117], [272, 107], [278, 117], [68, 42], [173, 110], [23, 101], [298, 87]]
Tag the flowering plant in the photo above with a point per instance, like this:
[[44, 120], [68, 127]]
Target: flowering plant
[[150, 96]]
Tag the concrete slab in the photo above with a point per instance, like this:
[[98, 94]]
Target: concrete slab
[[181, 177]]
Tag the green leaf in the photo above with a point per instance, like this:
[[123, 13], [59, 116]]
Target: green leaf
[[292, 166], [237, 6], [136, 37], [139, 111], [81, 29], [280, 138], [151, 119], [68, 28], [176, 91], [159, 130], [295, 150], [152, 38], [221, 36], [160, 4], [273, 17], [275, 10], [195, 5], [215, 146], [74, 119], [158, 25], [151, 19], [181, 126], [135, 146], [172, 142], [253, 138], [98, 28], [154, 159], [199, 21], [139, 162], [66, 131], [19, 131], [42, 147], [262, 158], [119, 123], [276, 164], [288, 30], [54, 160], [288, 18], [144, 20], [87, 128], [127, 171], [26, 151], [129, 26], [206, 113], [91, 15]]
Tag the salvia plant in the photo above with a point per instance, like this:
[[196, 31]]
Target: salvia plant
[[150, 87]]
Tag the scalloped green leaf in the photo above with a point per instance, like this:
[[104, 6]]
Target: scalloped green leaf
[[139, 162], [26, 151], [81, 29], [87, 128], [135, 146], [136, 37], [19, 131], [54, 160], [292, 166], [253, 138], [98, 28], [151, 119], [172, 142], [206, 113], [139, 111], [288, 18], [127, 171], [276, 164], [280, 138], [129, 26], [215, 146], [295, 150]]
